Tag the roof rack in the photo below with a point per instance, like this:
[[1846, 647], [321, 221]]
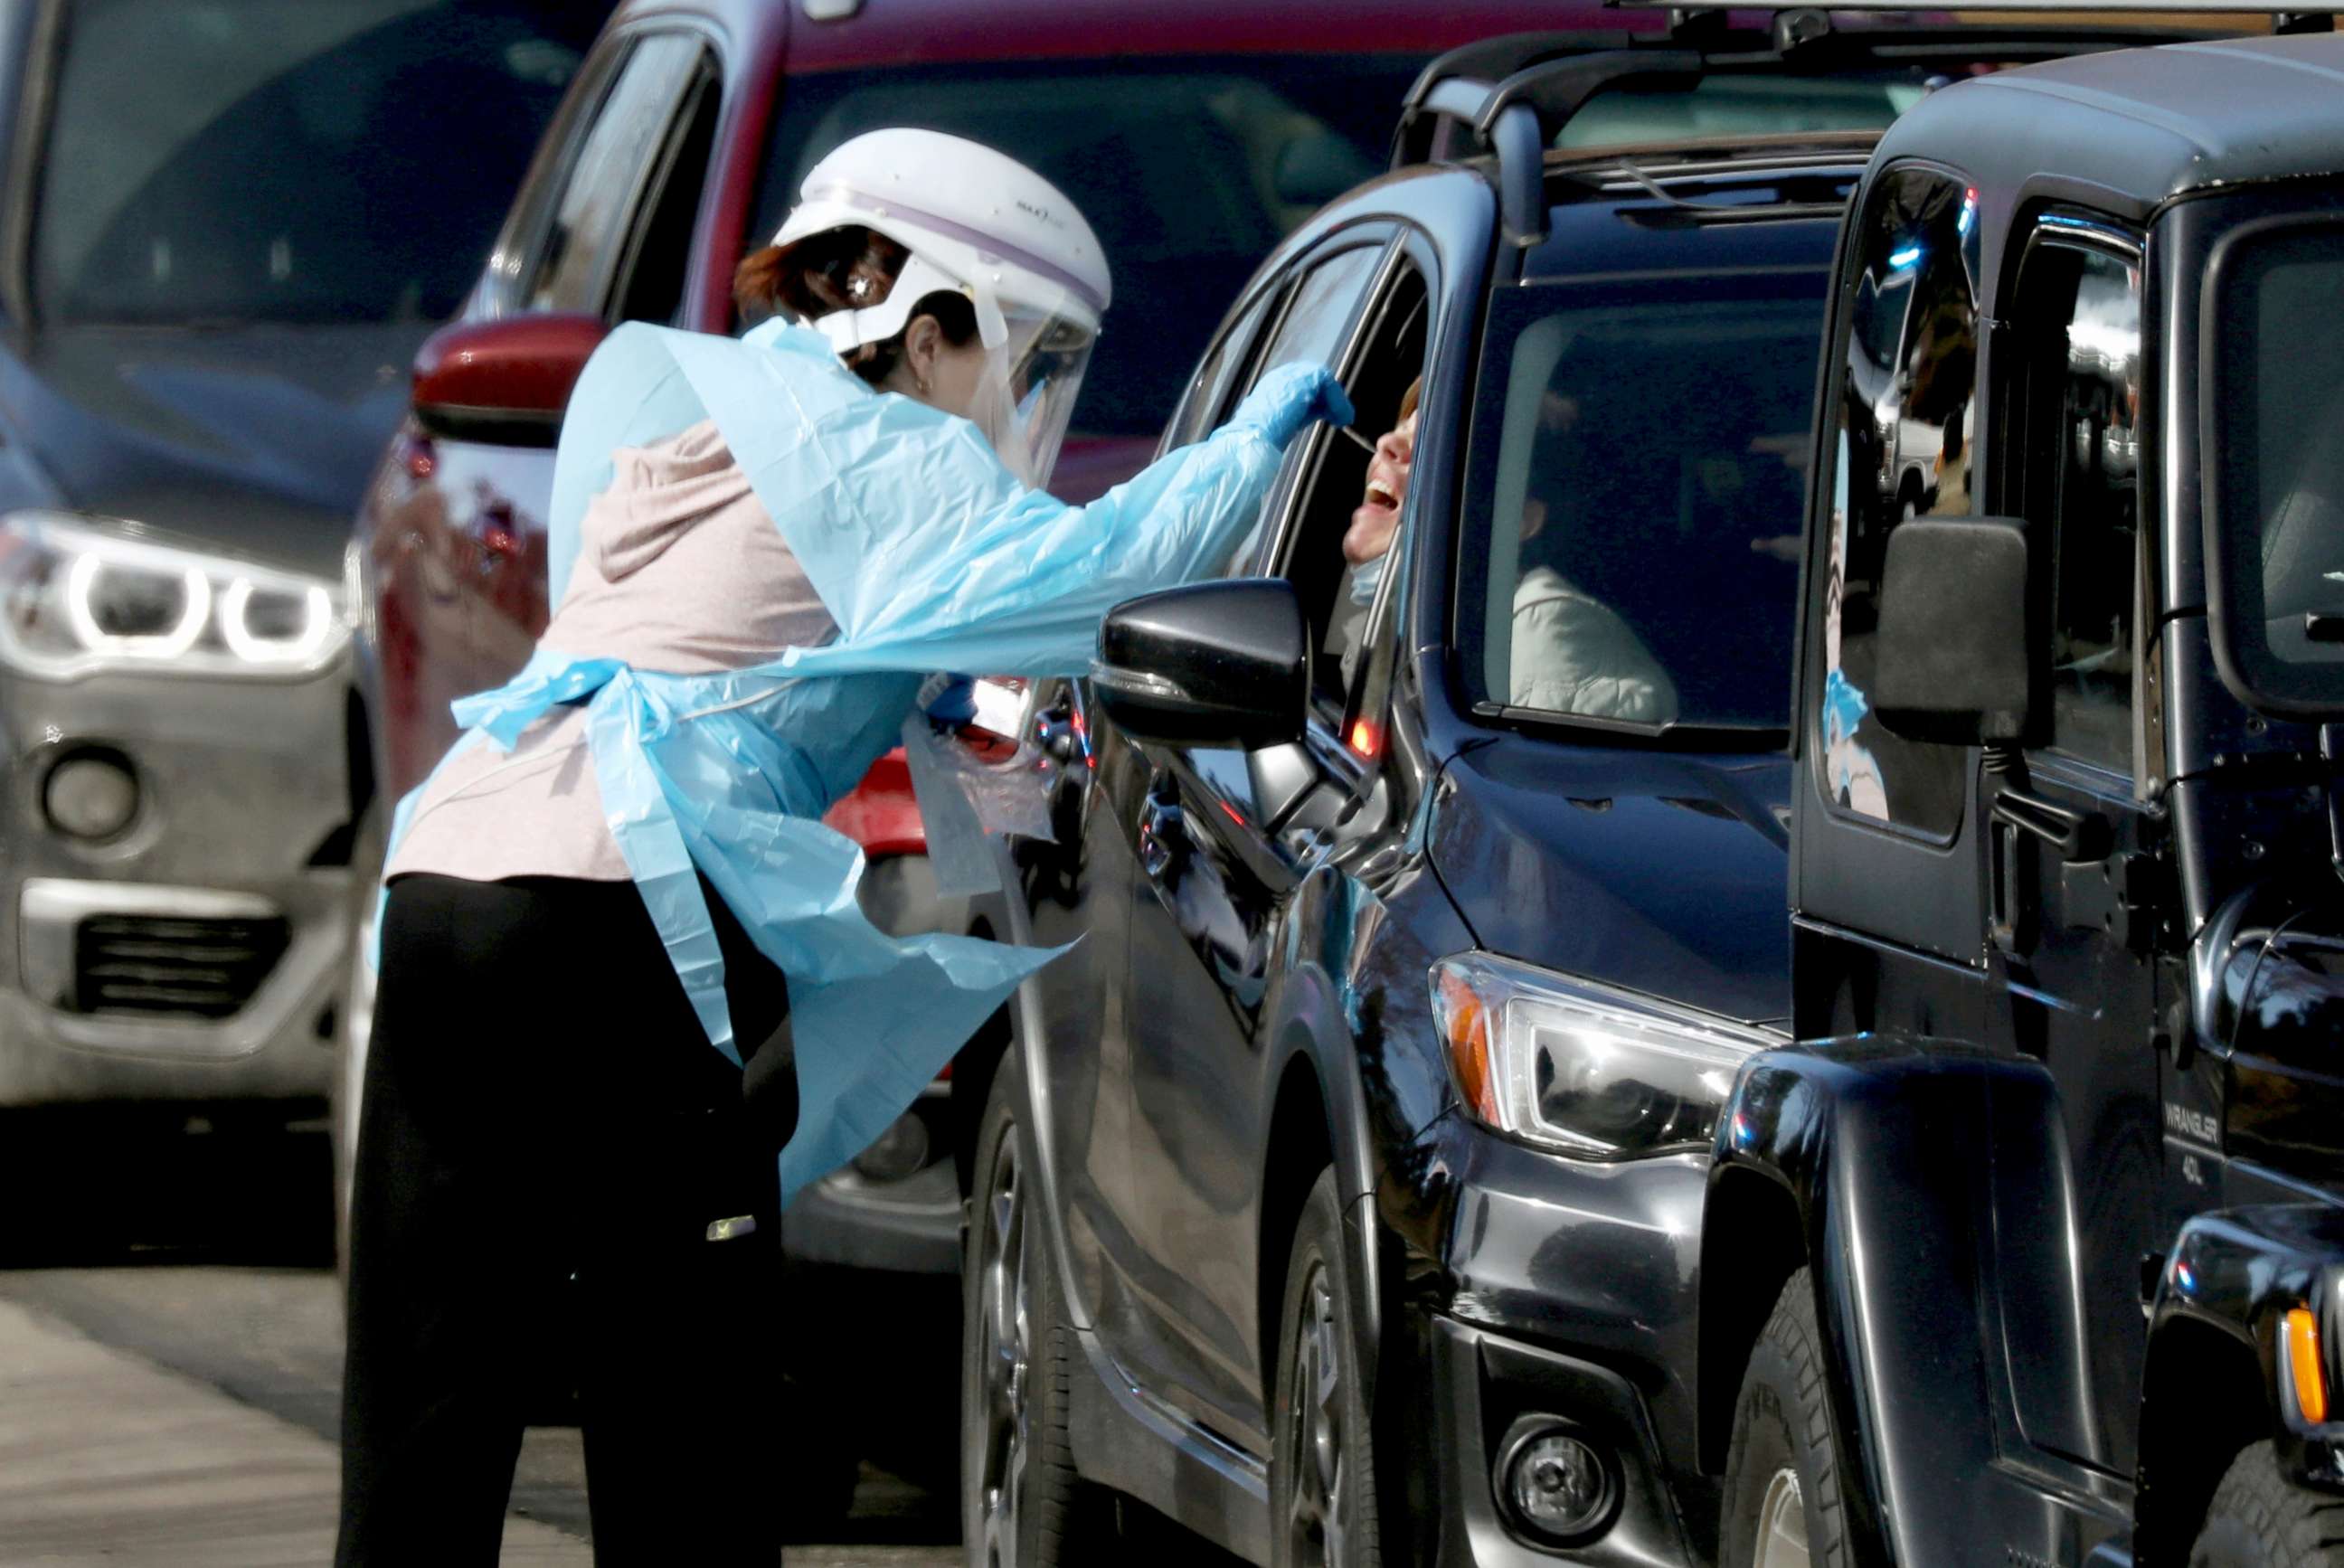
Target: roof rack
[[1512, 96]]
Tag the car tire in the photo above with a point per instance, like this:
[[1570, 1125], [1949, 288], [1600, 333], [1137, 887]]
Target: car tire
[[2257, 1519], [1322, 1489], [1782, 1474], [1023, 1505]]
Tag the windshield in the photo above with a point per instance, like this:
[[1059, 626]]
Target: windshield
[[1190, 169], [2278, 491], [289, 160], [1757, 105], [1641, 499]]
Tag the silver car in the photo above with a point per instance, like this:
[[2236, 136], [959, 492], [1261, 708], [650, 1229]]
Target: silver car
[[224, 231]]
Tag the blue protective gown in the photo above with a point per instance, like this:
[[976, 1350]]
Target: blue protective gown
[[929, 556]]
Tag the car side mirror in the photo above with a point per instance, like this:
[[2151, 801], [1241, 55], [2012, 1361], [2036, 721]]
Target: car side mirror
[[1211, 664], [503, 382], [1955, 650]]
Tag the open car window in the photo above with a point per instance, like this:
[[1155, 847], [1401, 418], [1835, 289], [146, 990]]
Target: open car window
[[1330, 489], [1311, 329]]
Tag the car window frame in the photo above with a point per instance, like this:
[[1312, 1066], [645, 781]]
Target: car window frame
[[611, 267], [519, 251], [698, 110], [1832, 451], [1267, 558], [1299, 480], [1206, 404], [2088, 234]]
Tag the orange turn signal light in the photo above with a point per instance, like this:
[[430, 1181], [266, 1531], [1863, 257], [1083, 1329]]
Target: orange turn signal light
[[1466, 1022], [2303, 1361]]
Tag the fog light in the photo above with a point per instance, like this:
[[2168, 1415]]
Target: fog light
[[90, 796], [1556, 1486], [899, 1152]]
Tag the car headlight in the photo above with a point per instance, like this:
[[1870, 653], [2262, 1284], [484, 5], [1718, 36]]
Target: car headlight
[[1580, 1069], [81, 594]]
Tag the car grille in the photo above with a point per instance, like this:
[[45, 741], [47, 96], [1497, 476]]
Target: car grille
[[166, 963]]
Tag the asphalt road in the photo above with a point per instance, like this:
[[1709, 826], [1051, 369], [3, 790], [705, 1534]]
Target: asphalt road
[[171, 1348]]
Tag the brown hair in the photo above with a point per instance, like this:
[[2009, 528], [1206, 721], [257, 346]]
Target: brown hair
[[841, 270]]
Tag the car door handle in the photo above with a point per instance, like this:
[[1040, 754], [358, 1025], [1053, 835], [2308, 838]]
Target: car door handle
[[1161, 828]]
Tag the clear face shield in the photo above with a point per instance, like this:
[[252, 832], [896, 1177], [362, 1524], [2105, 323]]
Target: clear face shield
[[1025, 402], [1037, 345]]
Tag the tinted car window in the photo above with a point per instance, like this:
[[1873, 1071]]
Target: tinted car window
[[1191, 170], [1635, 518], [2278, 489], [611, 166], [1728, 106], [1210, 389], [290, 160], [1903, 420], [1311, 332], [2079, 313]]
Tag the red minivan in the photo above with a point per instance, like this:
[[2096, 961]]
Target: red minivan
[[1195, 135]]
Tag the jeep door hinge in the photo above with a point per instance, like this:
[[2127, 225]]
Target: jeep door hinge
[[2124, 895]]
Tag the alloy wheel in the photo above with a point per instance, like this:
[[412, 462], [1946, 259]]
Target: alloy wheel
[[1318, 1514], [1007, 1358], [1783, 1523]]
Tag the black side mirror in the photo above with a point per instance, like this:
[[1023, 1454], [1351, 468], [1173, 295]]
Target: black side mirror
[[1211, 664], [1954, 651]]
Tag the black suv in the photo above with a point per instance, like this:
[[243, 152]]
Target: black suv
[[1341, 1196]]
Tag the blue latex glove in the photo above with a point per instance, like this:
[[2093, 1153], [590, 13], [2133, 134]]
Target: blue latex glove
[[948, 698], [1289, 397]]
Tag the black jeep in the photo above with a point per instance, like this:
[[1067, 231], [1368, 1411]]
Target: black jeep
[[2036, 1256]]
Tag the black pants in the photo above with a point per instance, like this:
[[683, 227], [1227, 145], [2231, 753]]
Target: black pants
[[546, 1139]]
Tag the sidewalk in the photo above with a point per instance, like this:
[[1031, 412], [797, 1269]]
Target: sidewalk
[[108, 1459]]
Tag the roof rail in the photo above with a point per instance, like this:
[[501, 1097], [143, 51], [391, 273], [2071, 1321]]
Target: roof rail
[[1514, 95]]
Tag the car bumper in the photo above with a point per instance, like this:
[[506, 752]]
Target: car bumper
[[1573, 1306], [1492, 1390], [198, 954]]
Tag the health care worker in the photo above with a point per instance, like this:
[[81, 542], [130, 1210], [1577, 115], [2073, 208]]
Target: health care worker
[[616, 890]]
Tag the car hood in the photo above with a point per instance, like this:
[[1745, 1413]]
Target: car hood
[[256, 439], [1661, 873]]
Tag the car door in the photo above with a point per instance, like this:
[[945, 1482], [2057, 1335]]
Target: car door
[[457, 525], [2078, 989], [1218, 851], [1891, 930], [1074, 886]]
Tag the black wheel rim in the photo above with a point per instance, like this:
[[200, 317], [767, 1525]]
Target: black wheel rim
[[1317, 1510], [1005, 1352]]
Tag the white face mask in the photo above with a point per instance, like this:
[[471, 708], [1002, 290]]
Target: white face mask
[[1365, 578]]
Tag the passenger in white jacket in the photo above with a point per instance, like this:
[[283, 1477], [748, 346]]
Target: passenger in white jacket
[[1571, 654]]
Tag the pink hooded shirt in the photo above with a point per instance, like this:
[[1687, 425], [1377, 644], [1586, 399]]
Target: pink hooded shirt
[[680, 570]]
